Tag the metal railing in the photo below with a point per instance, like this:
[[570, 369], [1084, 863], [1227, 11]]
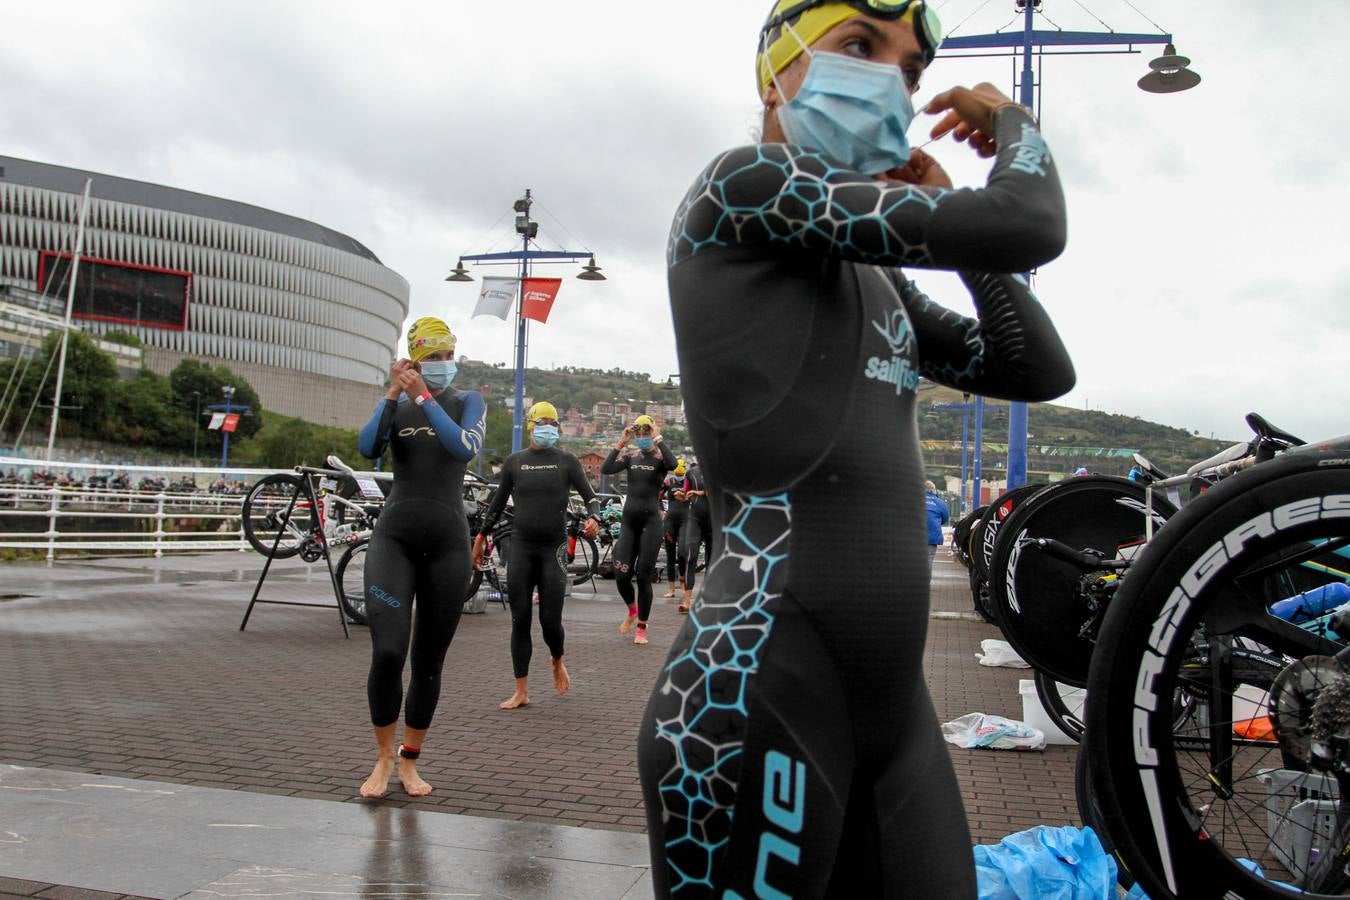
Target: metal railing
[[141, 520]]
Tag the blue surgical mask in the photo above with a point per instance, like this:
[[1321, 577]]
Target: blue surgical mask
[[645, 443], [438, 373], [854, 111], [545, 435]]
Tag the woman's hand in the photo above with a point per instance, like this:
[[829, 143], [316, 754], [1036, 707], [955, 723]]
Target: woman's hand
[[591, 527], [395, 380], [627, 434], [410, 380], [656, 438], [969, 115], [477, 554], [681, 496], [921, 170]]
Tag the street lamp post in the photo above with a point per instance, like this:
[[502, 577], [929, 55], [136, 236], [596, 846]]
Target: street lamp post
[[1170, 74], [196, 422], [527, 228], [228, 391], [229, 406]]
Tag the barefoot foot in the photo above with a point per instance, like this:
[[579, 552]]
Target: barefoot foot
[[413, 784], [377, 785], [514, 701], [627, 625], [561, 680]]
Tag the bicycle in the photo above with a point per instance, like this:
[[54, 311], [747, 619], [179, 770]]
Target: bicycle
[[346, 511], [580, 555], [351, 568], [1195, 601]]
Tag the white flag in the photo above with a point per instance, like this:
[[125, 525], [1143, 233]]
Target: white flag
[[217, 420], [497, 296]]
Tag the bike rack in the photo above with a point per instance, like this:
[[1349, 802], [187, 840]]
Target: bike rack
[[307, 485]]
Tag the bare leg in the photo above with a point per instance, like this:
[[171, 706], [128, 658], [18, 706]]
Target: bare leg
[[520, 698], [686, 600], [377, 785], [561, 680], [413, 784]]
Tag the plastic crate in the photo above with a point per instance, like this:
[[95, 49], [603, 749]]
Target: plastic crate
[[1300, 815]]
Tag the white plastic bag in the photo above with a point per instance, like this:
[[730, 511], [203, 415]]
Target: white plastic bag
[[1000, 653], [994, 732]]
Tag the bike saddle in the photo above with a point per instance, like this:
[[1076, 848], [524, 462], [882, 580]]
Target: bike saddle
[[335, 463], [1266, 431], [1153, 471]]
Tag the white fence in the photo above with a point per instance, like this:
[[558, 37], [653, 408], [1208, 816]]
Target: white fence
[[147, 521]]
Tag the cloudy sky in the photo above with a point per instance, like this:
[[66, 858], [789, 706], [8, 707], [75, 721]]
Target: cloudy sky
[[1207, 272]]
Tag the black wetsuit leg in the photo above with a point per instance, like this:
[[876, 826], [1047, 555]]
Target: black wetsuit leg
[[409, 558], [534, 567], [697, 530], [673, 525], [552, 590]]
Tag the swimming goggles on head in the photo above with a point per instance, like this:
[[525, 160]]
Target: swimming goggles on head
[[927, 26]]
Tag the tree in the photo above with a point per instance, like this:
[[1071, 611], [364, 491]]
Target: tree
[[143, 414]]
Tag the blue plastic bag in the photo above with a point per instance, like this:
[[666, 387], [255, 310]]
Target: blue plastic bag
[[1045, 863]]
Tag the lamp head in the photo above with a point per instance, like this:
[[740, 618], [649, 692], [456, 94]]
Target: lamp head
[[591, 272], [459, 273], [1170, 74]]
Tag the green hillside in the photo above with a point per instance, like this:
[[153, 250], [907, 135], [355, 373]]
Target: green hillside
[[1062, 437]]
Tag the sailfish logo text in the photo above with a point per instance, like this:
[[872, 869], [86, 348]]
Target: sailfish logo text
[[897, 370], [1032, 154]]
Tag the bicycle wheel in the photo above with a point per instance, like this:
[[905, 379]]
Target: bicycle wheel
[[1063, 704], [264, 515], [1180, 727], [1049, 609], [351, 576], [1090, 811], [585, 560], [984, 533]]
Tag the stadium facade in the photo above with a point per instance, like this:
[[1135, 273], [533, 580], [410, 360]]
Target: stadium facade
[[309, 316]]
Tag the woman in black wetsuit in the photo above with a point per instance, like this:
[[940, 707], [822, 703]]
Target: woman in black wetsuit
[[540, 478], [697, 531], [419, 553], [672, 523], [790, 746], [640, 527]]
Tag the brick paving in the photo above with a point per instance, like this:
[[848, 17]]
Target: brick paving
[[136, 668]]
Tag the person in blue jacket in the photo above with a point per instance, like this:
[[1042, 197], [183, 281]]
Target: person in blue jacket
[[938, 516]]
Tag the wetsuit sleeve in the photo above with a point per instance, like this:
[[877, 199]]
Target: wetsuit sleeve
[[1011, 351], [582, 485], [667, 457], [499, 498], [462, 441], [613, 463], [374, 436], [785, 195]]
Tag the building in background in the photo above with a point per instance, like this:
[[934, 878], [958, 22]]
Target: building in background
[[309, 316]]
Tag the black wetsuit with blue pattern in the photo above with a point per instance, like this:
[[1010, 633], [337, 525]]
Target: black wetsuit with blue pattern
[[419, 553], [790, 747]]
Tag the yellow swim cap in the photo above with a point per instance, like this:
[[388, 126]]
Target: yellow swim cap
[[541, 410], [679, 466], [777, 46], [427, 335], [640, 421]]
